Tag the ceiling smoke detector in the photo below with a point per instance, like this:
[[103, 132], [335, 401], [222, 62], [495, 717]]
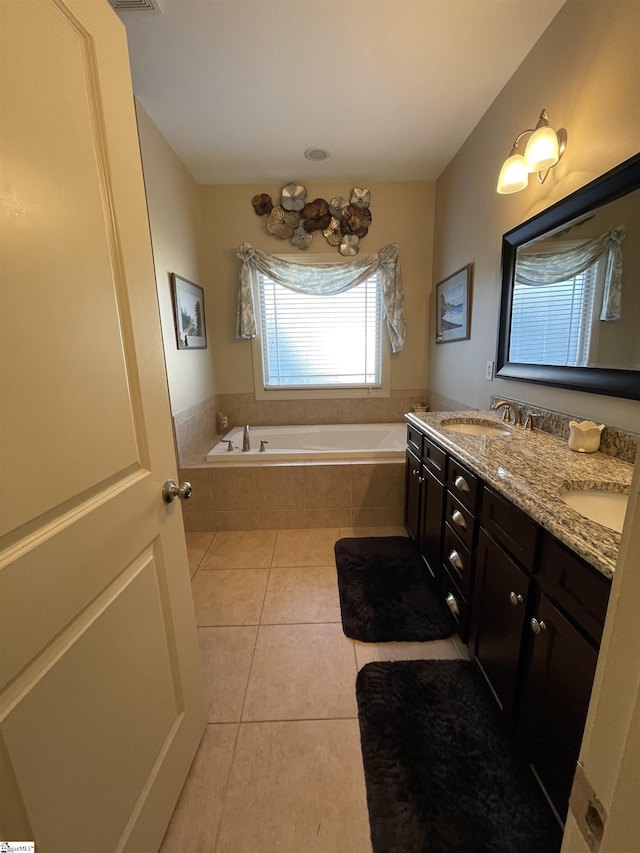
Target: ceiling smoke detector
[[316, 154], [136, 6]]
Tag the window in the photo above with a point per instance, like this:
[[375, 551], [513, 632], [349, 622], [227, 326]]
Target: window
[[319, 342], [557, 323]]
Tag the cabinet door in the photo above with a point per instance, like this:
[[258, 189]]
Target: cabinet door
[[499, 604], [556, 698], [412, 496], [431, 512]]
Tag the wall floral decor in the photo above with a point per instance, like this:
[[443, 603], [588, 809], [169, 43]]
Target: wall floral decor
[[343, 222]]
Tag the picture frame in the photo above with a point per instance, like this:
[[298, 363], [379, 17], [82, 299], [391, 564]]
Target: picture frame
[[453, 307], [188, 308]]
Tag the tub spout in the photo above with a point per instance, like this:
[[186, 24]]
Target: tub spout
[[246, 444]]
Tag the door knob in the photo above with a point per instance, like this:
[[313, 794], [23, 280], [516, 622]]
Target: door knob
[[171, 491]]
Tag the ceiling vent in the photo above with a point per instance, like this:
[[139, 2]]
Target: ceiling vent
[[136, 6]]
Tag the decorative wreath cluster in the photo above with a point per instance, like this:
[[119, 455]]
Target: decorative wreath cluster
[[343, 223]]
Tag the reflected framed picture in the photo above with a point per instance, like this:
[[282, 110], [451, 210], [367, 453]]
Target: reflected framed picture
[[188, 307], [453, 307]]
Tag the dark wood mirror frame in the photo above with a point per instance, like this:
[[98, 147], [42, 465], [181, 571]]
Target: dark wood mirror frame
[[614, 184]]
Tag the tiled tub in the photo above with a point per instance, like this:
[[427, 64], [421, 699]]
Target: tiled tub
[[335, 487]]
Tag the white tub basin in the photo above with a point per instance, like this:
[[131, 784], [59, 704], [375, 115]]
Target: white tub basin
[[469, 428], [607, 508]]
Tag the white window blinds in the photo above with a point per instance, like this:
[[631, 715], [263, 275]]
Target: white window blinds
[[555, 323], [313, 341]]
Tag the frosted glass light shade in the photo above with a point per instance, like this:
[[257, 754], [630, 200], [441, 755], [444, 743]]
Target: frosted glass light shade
[[542, 149], [514, 175]]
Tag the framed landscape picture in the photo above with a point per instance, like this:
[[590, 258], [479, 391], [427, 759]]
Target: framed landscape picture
[[453, 307], [188, 306]]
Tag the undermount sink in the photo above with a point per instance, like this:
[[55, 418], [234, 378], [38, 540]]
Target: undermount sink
[[607, 508], [477, 428]]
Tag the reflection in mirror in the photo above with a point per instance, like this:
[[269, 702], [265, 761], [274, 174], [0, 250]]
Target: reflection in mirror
[[570, 311]]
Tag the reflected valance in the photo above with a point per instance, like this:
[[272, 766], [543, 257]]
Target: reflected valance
[[553, 268]]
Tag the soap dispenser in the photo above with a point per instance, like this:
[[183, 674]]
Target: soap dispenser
[[585, 436]]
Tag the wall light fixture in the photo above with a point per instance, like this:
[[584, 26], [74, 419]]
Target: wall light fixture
[[543, 150]]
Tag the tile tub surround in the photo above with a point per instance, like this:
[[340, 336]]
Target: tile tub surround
[[306, 495], [195, 429], [614, 442], [532, 469]]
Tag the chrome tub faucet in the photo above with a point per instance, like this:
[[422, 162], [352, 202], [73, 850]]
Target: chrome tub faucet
[[246, 444]]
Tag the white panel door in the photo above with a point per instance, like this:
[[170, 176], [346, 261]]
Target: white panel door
[[101, 705]]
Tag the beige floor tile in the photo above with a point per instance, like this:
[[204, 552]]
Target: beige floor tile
[[301, 672], [372, 531], [197, 544], [311, 547], [433, 650], [308, 594], [240, 549], [229, 596], [196, 818], [461, 648], [296, 786], [226, 660]]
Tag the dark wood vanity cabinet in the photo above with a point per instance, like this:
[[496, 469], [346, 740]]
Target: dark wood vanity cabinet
[[564, 635], [530, 610], [424, 497], [556, 693], [500, 597], [412, 493]]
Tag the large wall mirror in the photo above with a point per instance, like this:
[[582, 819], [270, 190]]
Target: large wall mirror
[[570, 309]]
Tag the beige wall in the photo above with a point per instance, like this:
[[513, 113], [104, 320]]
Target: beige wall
[[175, 219], [402, 213], [584, 70]]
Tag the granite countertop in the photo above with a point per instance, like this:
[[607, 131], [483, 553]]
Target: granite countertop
[[532, 469]]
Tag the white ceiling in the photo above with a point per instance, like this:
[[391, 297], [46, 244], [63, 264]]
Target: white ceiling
[[392, 88]]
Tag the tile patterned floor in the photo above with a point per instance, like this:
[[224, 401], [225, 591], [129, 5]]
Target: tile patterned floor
[[279, 769]]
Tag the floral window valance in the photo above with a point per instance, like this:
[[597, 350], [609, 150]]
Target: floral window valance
[[536, 269], [325, 279]]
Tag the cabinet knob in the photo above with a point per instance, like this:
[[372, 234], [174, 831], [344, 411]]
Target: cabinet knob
[[414, 472], [421, 479], [515, 598], [538, 627], [458, 518], [452, 604], [461, 484], [456, 560]]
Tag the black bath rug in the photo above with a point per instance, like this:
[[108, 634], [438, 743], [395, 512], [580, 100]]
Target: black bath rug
[[386, 592], [440, 772]]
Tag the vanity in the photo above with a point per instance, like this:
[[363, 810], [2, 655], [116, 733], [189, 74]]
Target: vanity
[[526, 576]]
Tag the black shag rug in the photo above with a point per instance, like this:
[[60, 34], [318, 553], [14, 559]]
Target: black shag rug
[[386, 592], [441, 774]]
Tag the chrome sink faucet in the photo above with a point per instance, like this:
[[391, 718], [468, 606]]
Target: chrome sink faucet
[[510, 412], [246, 444]]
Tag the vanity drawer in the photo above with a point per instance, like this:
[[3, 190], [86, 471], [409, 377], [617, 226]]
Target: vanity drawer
[[414, 440], [455, 601], [460, 520], [463, 484], [434, 458], [576, 587], [457, 560], [514, 530]]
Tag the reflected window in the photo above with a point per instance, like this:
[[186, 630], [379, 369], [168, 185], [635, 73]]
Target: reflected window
[[557, 324]]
